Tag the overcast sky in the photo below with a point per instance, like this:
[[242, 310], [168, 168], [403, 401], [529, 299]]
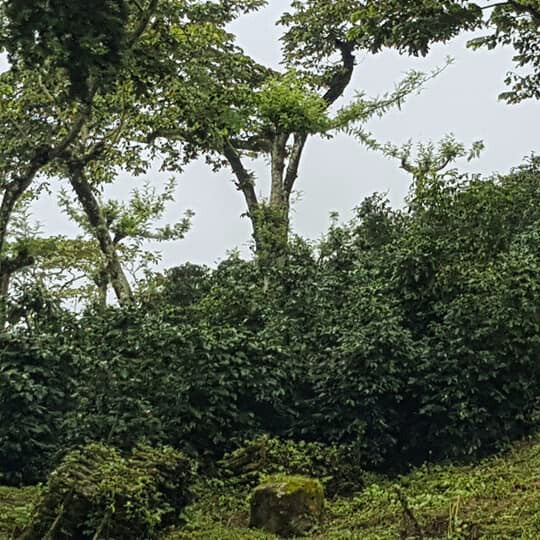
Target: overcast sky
[[335, 175]]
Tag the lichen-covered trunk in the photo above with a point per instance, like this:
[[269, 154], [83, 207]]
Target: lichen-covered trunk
[[271, 220], [270, 224], [96, 219], [4, 287]]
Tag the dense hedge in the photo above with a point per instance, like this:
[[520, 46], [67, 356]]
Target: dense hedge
[[410, 335]]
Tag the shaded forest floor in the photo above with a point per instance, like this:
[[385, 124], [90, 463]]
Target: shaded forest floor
[[497, 498]]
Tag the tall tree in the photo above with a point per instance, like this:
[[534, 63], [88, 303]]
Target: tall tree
[[47, 96], [98, 109], [124, 226], [252, 111], [35, 128]]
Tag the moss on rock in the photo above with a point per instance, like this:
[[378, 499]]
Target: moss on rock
[[287, 505]]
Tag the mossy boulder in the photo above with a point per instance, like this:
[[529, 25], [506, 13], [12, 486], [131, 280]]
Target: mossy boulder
[[97, 493], [287, 505], [338, 467]]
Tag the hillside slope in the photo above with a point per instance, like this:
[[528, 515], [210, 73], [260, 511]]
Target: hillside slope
[[497, 498]]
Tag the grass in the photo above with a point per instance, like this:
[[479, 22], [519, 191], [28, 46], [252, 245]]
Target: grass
[[497, 498]]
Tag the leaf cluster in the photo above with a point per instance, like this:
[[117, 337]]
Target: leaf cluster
[[86, 40], [516, 23]]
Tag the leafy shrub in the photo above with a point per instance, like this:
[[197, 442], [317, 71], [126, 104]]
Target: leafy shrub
[[466, 273], [35, 388], [360, 384], [193, 386], [411, 336], [96, 493], [475, 385], [338, 467]]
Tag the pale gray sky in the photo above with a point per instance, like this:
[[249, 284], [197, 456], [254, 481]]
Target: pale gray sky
[[335, 175]]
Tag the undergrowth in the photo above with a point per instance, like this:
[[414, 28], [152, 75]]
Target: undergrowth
[[498, 497]]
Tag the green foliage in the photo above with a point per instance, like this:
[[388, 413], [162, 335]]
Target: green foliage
[[337, 467], [84, 39], [16, 508], [314, 26], [290, 107], [189, 384], [494, 498], [95, 492], [133, 220], [130, 224], [404, 335], [412, 336], [181, 286], [36, 389], [466, 280], [516, 23], [411, 26]]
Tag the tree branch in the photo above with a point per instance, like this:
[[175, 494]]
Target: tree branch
[[244, 177], [143, 23], [255, 143], [294, 162], [21, 260], [277, 165], [100, 229], [342, 76], [165, 134]]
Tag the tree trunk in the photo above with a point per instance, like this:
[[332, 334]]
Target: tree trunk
[[270, 222], [95, 216], [8, 266], [11, 195]]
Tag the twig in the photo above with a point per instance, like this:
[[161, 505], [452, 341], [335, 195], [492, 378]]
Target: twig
[[408, 512], [99, 530], [54, 526]]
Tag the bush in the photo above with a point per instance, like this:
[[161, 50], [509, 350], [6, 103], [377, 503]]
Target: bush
[[96, 493], [338, 467], [475, 386], [36, 384], [411, 336], [194, 386]]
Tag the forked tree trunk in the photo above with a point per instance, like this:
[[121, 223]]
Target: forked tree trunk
[[270, 220]]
